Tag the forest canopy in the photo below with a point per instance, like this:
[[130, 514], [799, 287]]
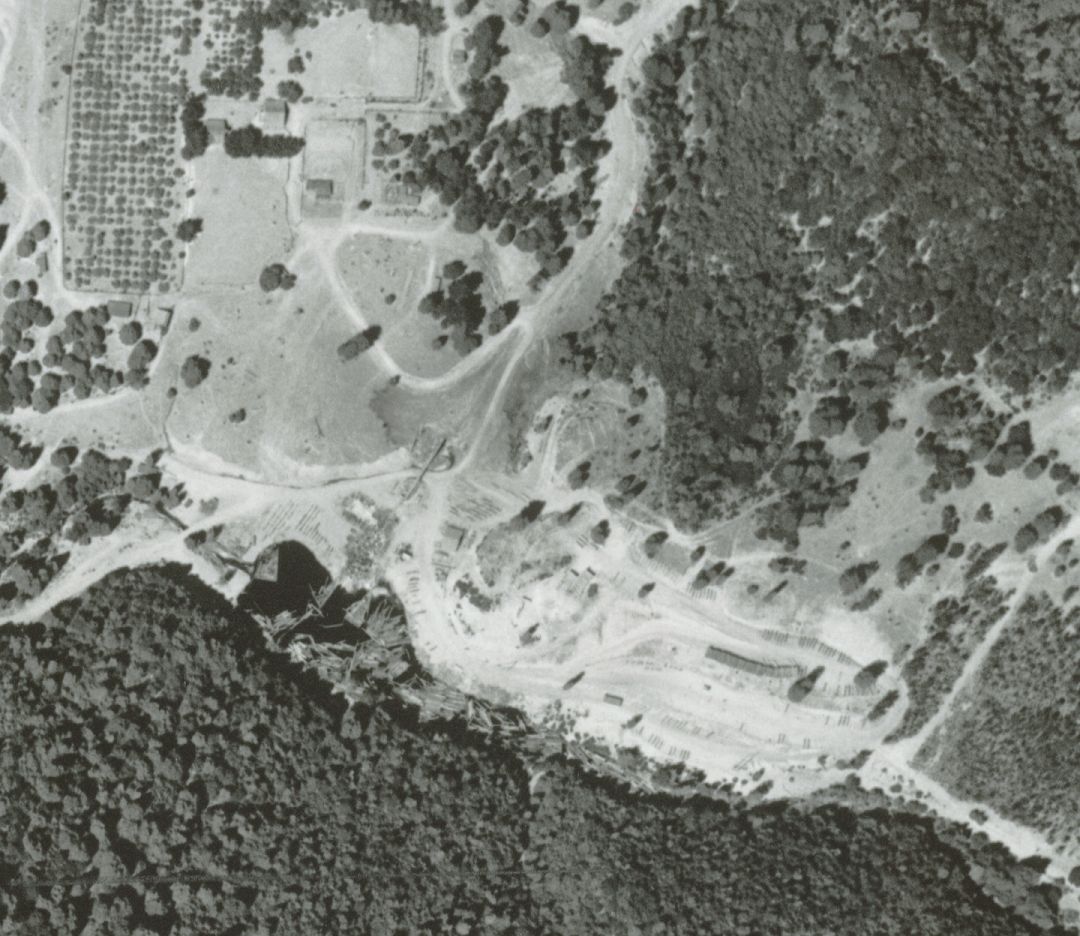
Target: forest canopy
[[162, 771], [820, 157]]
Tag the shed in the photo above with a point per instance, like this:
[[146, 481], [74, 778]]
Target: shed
[[275, 113], [459, 56], [119, 308], [612, 699], [42, 263], [322, 189], [216, 127]]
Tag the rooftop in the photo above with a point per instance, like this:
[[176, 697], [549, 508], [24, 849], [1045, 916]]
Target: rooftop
[[320, 188]]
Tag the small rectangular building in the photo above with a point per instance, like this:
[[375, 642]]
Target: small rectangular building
[[612, 699], [119, 308], [275, 113], [320, 189], [216, 127]]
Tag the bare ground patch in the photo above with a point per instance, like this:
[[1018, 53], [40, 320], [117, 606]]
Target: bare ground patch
[[243, 208], [350, 57], [276, 398], [388, 277]]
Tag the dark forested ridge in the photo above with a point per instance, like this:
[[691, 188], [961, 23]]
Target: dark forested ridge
[[808, 161], [161, 772], [1015, 746]]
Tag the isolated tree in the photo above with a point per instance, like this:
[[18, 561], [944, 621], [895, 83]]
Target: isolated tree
[[64, 456], [276, 276], [803, 686], [528, 514], [853, 578], [454, 269], [141, 355], [130, 332], [189, 229], [194, 371], [579, 475], [432, 303], [653, 543], [503, 315], [886, 702], [600, 532], [358, 344], [869, 674], [290, 90]]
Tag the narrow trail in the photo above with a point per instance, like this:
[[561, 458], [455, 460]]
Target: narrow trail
[[909, 747]]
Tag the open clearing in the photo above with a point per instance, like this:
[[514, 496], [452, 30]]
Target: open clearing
[[243, 208], [387, 277], [276, 397], [350, 57]]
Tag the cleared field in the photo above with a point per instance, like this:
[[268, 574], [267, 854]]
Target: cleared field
[[242, 204], [387, 277], [333, 166], [277, 401], [395, 62], [350, 57], [458, 413], [541, 64]]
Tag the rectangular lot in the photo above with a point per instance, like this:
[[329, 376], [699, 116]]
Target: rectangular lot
[[350, 57], [245, 221], [333, 166]]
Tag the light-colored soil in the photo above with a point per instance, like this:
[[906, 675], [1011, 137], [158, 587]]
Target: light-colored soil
[[351, 57], [243, 208], [533, 70], [583, 609], [302, 405], [387, 278]]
